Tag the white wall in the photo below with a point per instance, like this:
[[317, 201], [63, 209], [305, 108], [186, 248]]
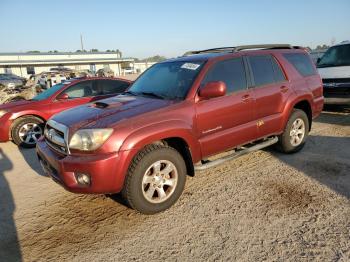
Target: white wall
[[22, 71]]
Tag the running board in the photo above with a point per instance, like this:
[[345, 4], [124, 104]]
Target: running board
[[238, 153]]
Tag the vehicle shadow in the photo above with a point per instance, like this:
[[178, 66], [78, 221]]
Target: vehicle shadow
[[325, 159], [333, 114], [9, 244], [31, 159]]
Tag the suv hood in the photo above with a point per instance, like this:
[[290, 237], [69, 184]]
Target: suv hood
[[109, 112], [334, 72]]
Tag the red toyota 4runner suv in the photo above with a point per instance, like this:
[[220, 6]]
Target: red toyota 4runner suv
[[177, 115]]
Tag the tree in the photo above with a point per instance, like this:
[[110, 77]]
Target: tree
[[156, 59], [93, 50], [33, 52]]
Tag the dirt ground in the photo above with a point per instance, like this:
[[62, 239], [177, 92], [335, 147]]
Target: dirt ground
[[262, 206]]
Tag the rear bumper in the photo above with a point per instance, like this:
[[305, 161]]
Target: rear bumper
[[107, 171]]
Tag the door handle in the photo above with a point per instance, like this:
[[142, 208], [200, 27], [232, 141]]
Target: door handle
[[246, 98], [284, 89]]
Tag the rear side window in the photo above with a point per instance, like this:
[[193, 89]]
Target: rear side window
[[301, 62], [263, 72], [112, 86], [231, 72]]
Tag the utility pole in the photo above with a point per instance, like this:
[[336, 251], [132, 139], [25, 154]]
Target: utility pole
[[81, 42]]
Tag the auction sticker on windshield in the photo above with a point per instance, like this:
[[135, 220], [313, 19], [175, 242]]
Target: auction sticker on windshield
[[190, 66]]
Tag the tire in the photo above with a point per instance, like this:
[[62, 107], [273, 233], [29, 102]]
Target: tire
[[293, 138], [26, 131], [145, 190]]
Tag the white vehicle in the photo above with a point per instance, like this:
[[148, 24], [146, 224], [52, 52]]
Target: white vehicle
[[49, 79], [128, 70], [334, 68]]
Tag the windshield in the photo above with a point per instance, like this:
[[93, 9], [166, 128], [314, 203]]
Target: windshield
[[169, 80], [47, 93], [336, 56]]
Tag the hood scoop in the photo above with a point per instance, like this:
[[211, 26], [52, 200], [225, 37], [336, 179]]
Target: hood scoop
[[100, 105]]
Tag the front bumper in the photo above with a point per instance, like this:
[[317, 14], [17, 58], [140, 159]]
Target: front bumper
[[337, 100], [107, 171], [5, 124]]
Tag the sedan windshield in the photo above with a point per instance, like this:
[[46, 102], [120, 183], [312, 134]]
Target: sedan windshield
[[336, 56], [168, 80], [47, 93]]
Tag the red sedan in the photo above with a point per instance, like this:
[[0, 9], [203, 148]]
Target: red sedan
[[23, 121]]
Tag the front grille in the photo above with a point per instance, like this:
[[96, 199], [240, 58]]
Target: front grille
[[56, 136], [336, 87], [336, 80]]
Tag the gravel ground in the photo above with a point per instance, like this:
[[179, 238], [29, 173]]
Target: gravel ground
[[262, 206]]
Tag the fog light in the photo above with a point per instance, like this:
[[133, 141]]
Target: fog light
[[83, 179]]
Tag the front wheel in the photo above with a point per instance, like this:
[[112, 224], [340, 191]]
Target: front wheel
[[155, 179], [26, 131], [294, 136]]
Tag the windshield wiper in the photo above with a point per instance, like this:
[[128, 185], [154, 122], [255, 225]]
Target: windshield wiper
[[326, 65], [130, 93], [153, 95]]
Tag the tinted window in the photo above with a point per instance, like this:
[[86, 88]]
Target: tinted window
[[112, 86], [301, 62], [81, 89], [278, 73], [47, 93], [231, 72], [262, 70]]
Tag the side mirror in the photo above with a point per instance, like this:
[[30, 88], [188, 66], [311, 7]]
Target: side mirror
[[318, 60], [63, 96], [213, 89]]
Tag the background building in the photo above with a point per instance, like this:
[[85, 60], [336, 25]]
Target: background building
[[26, 64]]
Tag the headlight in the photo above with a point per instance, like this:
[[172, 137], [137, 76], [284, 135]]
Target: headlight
[[89, 139], [3, 112]]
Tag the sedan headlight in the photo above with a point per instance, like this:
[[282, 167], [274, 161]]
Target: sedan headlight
[[89, 139], [3, 112]]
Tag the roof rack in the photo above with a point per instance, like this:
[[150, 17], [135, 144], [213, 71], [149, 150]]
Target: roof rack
[[242, 47]]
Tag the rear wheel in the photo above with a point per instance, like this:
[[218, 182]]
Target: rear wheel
[[155, 179], [294, 136], [26, 131]]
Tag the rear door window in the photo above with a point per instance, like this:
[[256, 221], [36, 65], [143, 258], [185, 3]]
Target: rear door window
[[110, 87], [231, 72], [301, 62], [262, 69]]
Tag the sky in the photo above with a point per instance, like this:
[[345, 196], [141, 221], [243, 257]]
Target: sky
[[143, 28]]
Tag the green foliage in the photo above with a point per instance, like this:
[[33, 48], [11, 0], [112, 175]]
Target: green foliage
[[156, 59]]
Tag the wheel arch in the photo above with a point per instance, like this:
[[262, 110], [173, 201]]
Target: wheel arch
[[305, 106], [181, 146]]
